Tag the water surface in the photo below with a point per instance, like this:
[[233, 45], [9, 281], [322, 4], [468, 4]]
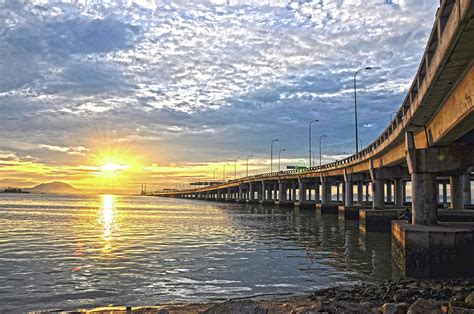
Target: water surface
[[66, 252]]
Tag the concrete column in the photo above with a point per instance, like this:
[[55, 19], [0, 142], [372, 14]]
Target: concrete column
[[398, 189], [466, 189], [301, 191], [367, 192], [456, 192], [275, 191], [343, 194], [251, 192], [423, 184], [389, 191], [293, 191], [337, 192], [360, 191], [404, 192], [349, 193], [325, 192], [262, 196], [281, 192], [445, 193], [377, 194], [424, 198], [316, 191]]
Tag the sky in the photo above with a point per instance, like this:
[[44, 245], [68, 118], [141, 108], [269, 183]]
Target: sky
[[109, 95]]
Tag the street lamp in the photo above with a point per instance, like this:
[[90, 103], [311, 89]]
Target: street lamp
[[320, 138], [360, 140], [214, 173], [391, 115], [235, 167], [310, 140], [355, 106], [279, 157], [248, 164], [271, 155], [302, 162]]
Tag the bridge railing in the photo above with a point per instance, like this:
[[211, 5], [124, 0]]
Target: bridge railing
[[443, 16]]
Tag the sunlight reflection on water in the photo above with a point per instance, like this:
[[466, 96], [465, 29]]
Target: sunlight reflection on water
[[106, 217]]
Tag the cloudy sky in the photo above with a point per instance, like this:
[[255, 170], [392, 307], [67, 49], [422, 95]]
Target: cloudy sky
[[170, 90]]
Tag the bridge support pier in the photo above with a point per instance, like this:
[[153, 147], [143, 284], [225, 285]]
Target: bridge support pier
[[389, 191], [424, 248], [326, 206], [360, 192], [347, 210], [455, 183], [303, 201], [316, 191], [398, 189], [378, 200], [282, 199], [466, 188], [445, 194]]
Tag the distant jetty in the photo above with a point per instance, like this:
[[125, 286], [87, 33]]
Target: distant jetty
[[14, 190]]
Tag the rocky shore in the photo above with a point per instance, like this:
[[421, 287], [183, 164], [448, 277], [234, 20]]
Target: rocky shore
[[388, 297]]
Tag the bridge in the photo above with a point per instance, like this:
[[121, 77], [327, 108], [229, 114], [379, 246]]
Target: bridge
[[428, 144]]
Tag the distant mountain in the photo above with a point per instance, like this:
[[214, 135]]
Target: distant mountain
[[55, 187]]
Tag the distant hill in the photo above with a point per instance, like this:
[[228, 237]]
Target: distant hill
[[55, 187]]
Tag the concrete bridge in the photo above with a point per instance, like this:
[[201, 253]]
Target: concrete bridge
[[428, 145]]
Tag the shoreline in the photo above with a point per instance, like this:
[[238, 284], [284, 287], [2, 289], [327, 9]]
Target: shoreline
[[454, 296]]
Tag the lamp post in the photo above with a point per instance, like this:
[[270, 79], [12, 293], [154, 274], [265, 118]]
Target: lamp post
[[235, 167], [391, 115], [214, 173], [223, 173], [271, 155], [360, 141], [309, 137], [279, 157], [320, 138], [355, 106], [248, 164], [302, 162]]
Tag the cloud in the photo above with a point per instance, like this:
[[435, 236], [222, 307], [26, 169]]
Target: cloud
[[79, 150], [202, 81]]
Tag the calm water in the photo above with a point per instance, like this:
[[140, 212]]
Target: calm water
[[66, 252]]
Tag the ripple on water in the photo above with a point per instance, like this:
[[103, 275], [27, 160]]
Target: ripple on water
[[65, 252]]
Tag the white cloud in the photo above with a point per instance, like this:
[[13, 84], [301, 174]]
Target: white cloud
[[215, 77]]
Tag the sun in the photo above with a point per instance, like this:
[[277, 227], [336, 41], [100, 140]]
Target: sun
[[112, 167]]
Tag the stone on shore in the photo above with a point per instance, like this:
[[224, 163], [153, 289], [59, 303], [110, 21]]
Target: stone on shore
[[469, 300], [460, 310], [394, 308], [422, 306], [236, 307]]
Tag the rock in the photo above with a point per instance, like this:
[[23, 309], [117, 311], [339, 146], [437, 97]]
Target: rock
[[346, 307], [236, 307], [306, 310], [422, 306], [469, 300], [394, 308], [163, 311], [460, 310]]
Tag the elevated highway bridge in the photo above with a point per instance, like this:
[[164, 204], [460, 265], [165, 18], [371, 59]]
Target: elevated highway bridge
[[429, 143]]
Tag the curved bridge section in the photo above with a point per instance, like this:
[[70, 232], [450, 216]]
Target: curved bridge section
[[428, 145]]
